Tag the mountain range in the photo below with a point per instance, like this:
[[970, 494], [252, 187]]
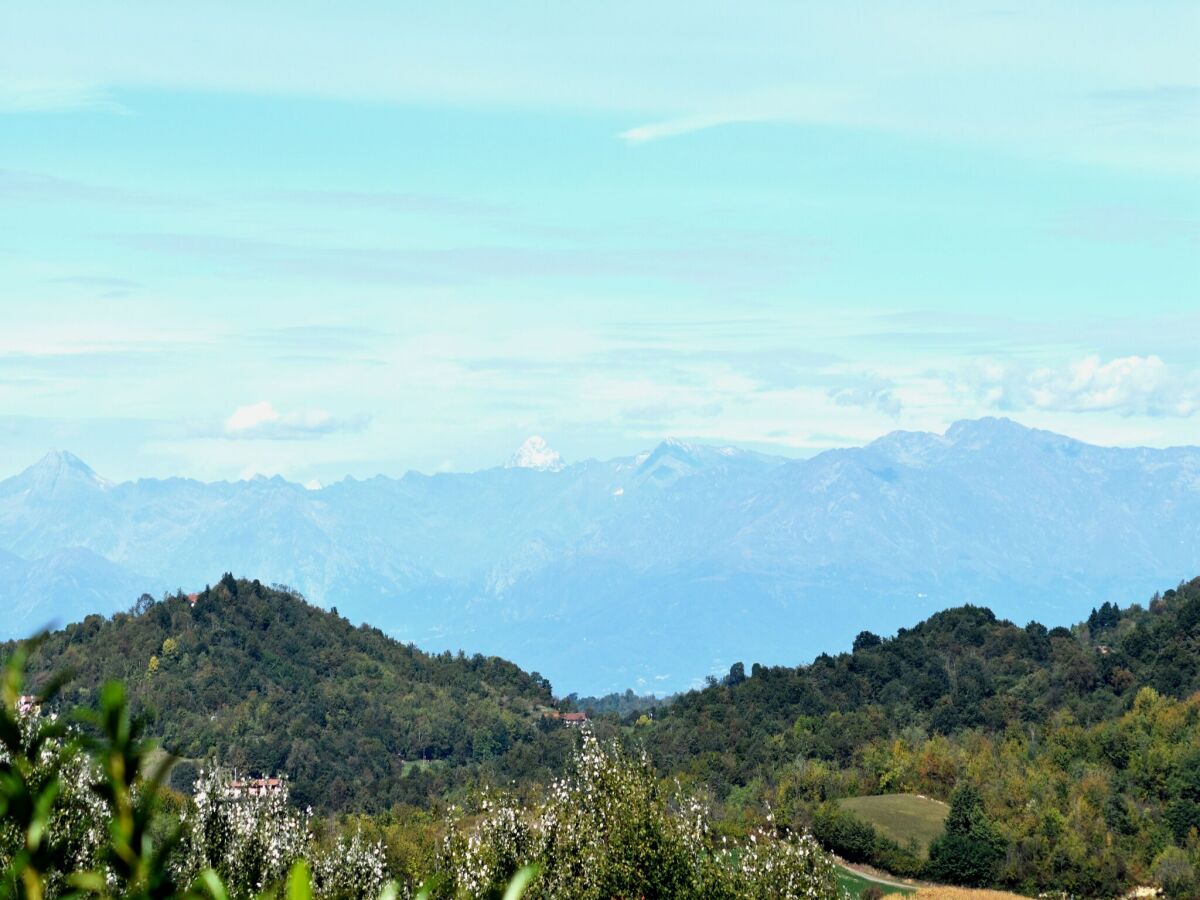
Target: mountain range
[[644, 571]]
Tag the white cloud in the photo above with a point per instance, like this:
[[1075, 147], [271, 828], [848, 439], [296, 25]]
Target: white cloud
[[249, 418], [262, 420], [1127, 386], [869, 392], [536, 454]]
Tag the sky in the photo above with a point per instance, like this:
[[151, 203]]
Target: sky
[[327, 239]]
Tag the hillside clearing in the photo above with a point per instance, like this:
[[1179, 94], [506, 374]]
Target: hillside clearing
[[904, 818]]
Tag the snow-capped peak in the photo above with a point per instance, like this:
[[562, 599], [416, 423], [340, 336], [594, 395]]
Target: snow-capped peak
[[536, 454]]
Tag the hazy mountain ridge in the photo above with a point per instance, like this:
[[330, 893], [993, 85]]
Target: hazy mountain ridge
[[645, 571]]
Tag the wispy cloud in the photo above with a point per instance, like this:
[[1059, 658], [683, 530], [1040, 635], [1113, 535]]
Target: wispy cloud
[[38, 187], [394, 201], [82, 364], [1176, 102], [18, 97], [1127, 225], [655, 131], [262, 421], [667, 415], [326, 339], [708, 266], [1027, 80], [98, 281]]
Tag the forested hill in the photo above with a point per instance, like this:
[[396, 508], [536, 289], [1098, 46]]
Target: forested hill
[[267, 683], [1075, 752], [961, 668]]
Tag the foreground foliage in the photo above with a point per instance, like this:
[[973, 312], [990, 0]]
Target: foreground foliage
[[82, 813], [607, 830]]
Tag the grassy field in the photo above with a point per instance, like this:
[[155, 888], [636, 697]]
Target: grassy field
[[902, 817]]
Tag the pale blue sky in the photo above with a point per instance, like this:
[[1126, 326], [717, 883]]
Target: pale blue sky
[[319, 239]]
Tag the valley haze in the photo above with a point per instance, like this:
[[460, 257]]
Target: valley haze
[[645, 571]]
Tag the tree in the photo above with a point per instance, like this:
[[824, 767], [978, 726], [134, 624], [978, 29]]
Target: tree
[[970, 849], [143, 604], [866, 640], [1174, 873]]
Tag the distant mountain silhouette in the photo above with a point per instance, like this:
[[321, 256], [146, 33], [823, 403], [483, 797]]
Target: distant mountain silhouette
[[643, 571]]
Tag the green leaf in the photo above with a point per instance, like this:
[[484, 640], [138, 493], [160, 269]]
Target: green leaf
[[521, 881], [299, 883], [209, 882], [91, 882], [43, 806]]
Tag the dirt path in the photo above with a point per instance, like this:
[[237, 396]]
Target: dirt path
[[871, 875], [925, 889]]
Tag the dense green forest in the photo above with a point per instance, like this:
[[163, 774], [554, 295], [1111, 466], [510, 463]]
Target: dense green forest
[[1080, 747], [265, 683], [1070, 756]]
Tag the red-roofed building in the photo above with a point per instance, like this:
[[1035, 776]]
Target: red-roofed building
[[255, 787]]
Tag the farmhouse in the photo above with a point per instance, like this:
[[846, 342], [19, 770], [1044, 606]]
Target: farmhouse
[[255, 787]]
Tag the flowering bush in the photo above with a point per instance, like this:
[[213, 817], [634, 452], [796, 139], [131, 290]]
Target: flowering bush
[[250, 841], [607, 830], [352, 867], [74, 829], [77, 817]]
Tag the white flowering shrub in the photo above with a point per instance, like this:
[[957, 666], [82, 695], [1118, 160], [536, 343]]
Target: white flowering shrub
[[252, 840], [81, 813], [249, 841], [606, 830], [75, 822], [768, 867], [353, 867]]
